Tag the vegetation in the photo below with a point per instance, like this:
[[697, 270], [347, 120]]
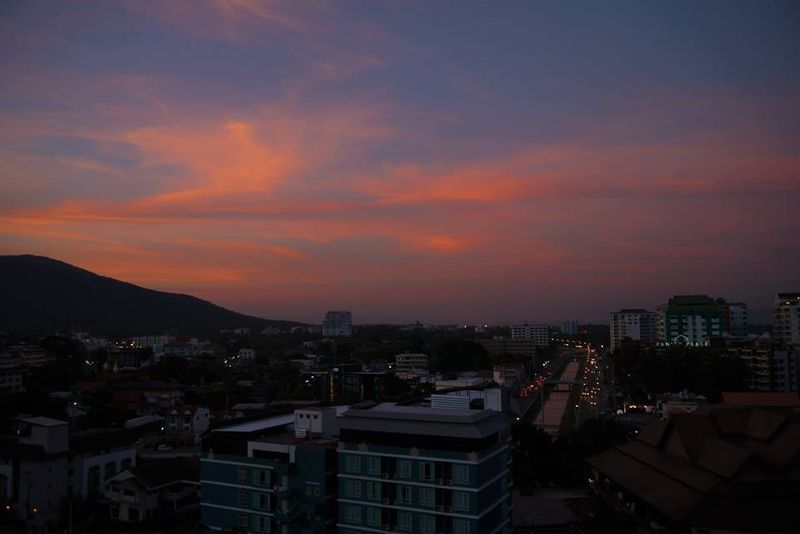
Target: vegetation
[[643, 371]]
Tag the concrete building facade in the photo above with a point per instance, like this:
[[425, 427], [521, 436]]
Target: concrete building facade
[[636, 324], [423, 470]]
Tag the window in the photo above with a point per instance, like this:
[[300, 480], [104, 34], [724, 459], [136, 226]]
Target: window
[[426, 470], [404, 521], [262, 477], [373, 465], [244, 520], [427, 496], [352, 488], [460, 526], [461, 474], [374, 490], [243, 498], [404, 468], [374, 516], [352, 514], [404, 494], [352, 464], [262, 524], [242, 475], [461, 501], [427, 523], [262, 501]]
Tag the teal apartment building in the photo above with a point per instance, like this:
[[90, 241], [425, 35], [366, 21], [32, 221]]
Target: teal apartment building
[[692, 320], [271, 475], [424, 470]]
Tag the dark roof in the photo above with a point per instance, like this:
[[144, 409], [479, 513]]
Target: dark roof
[[96, 439], [421, 420], [740, 470], [162, 471]]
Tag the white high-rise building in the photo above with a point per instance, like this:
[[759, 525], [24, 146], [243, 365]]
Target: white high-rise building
[[338, 324], [786, 327], [539, 333], [636, 324]]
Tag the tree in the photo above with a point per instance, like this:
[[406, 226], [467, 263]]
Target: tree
[[456, 354]]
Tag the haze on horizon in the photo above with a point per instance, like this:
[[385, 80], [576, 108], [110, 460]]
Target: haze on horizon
[[448, 161]]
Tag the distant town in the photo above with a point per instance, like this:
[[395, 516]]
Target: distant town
[[679, 419]]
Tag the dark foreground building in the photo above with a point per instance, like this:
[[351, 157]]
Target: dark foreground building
[[732, 469]]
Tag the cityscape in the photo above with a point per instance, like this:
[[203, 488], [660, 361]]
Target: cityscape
[[380, 267]]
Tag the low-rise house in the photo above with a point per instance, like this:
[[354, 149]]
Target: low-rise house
[[184, 424], [154, 489]]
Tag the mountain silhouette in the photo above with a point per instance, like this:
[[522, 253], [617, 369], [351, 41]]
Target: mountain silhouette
[[42, 294]]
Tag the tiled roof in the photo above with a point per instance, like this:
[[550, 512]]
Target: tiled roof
[[741, 470]]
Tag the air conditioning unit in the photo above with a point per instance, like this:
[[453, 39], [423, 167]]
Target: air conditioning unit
[[448, 508], [386, 500], [439, 508], [440, 481], [387, 527]]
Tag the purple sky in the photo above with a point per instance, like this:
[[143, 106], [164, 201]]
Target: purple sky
[[433, 161]]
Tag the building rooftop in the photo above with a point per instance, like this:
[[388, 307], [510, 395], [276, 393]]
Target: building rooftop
[[255, 425], [403, 419], [42, 421], [728, 469]]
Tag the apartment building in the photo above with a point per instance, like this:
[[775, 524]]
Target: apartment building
[[786, 326], [539, 333], [274, 474], [636, 324], [338, 323], [407, 361], [424, 470], [690, 320]]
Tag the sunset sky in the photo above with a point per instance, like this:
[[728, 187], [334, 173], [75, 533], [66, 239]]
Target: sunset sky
[[433, 161]]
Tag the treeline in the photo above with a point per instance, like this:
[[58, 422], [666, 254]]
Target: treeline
[[643, 371]]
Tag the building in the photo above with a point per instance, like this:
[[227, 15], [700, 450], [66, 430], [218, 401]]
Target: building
[[726, 470], [424, 470], [569, 328], [736, 318], [539, 333], [466, 380], [690, 320], [482, 398], [635, 324], [154, 489], [246, 355], [408, 362], [509, 375], [145, 398], [11, 373], [34, 471], [338, 324], [275, 474], [668, 404], [785, 368], [95, 456], [30, 355], [185, 424], [786, 326], [154, 343], [772, 366], [501, 346]]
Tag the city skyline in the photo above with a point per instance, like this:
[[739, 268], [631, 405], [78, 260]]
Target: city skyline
[[443, 163]]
